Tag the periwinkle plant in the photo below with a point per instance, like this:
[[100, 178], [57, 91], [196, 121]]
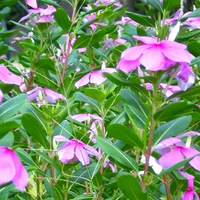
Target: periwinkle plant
[[100, 108]]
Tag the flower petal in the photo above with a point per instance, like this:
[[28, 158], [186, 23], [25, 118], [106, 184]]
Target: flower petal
[[134, 53], [82, 155], [60, 138], [21, 176], [83, 81], [127, 65], [7, 168], [166, 161], [151, 62]]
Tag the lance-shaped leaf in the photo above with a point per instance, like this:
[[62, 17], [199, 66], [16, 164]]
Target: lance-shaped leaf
[[141, 19], [63, 20], [138, 118], [131, 187], [170, 129], [11, 107], [84, 98], [171, 4], [132, 99], [125, 134], [35, 129], [89, 39], [173, 109], [116, 153], [156, 4], [7, 126]]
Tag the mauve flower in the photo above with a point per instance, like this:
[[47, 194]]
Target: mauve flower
[[190, 193], [74, 150], [178, 152], [1, 96], [85, 117], [11, 169], [107, 162], [111, 43], [8, 77], [47, 94], [99, 2], [45, 13], [94, 77], [93, 25], [184, 74], [144, 54]]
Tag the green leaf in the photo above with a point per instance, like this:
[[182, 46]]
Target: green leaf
[[11, 107], [195, 60], [7, 140], [124, 82], [186, 36], [169, 129], [136, 115], [63, 20], [3, 50], [93, 103], [50, 2], [171, 4], [27, 158], [86, 40], [132, 99], [9, 34], [130, 29], [172, 109], [116, 153], [194, 48], [7, 126], [97, 180], [156, 4], [46, 63], [189, 92], [48, 159], [141, 19], [125, 134], [7, 2], [35, 129], [85, 173], [95, 94], [112, 101], [131, 187]]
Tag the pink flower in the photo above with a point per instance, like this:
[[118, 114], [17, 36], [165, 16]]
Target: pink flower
[[45, 13], [1, 96], [47, 94], [111, 43], [107, 162], [126, 20], [93, 128], [184, 74], [178, 152], [99, 2], [94, 77], [85, 117], [93, 25], [74, 150], [11, 169], [8, 77], [190, 193], [145, 54]]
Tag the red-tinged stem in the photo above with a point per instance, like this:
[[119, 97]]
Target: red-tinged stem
[[68, 45], [86, 188], [30, 80], [166, 187]]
